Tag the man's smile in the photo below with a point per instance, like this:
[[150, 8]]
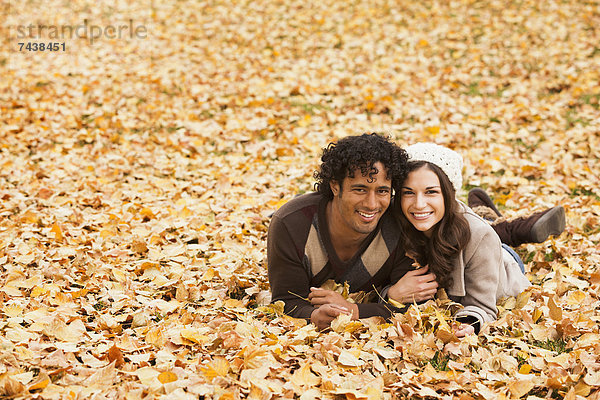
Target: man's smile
[[367, 215]]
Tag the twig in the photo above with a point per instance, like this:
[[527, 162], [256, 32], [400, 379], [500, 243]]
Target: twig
[[297, 295]]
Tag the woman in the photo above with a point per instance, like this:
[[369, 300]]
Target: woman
[[460, 250]]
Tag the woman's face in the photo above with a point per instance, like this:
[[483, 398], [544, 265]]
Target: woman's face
[[421, 199]]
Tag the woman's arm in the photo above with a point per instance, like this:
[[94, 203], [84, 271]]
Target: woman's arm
[[482, 259]]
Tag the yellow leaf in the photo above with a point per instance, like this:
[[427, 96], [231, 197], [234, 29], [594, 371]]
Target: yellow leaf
[[119, 275], [525, 369], [79, 293], [575, 298], [12, 310], [167, 376], [38, 291], [582, 389], [433, 130], [233, 303], [304, 377], [11, 291], [193, 336], [40, 384], [148, 375], [442, 319], [105, 233], [395, 303], [592, 378], [208, 275], [340, 322], [348, 359], [520, 388], [537, 313], [446, 336], [147, 213], [522, 300], [304, 121], [155, 337], [540, 332], [217, 367], [30, 217], [275, 308], [280, 203]]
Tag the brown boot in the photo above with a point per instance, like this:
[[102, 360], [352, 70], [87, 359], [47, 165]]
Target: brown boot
[[533, 229], [482, 204]]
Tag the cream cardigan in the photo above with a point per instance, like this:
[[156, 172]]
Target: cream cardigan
[[483, 272]]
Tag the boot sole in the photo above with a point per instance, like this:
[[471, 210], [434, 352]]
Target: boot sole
[[551, 223]]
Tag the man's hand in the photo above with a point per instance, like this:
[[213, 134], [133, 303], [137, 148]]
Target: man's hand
[[326, 313], [415, 286], [319, 297]]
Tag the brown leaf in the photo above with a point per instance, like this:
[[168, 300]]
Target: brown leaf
[[555, 310], [115, 355], [9, 386]]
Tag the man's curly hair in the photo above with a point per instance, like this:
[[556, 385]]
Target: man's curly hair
[[341, 159]]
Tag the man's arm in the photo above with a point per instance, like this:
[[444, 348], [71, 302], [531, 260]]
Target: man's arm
[[399, 265], [288, 279]]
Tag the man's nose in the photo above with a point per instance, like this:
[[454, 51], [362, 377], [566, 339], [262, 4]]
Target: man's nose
[[371, 200]]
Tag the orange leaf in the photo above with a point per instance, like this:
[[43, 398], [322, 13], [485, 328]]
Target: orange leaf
[[57, 232], [41, 384], [167, 376]]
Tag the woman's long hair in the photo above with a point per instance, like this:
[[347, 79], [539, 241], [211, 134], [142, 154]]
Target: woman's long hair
[[449, 236]]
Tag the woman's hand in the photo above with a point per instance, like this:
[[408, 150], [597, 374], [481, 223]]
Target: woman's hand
[[319, 297], [461, 330], [414, 286]]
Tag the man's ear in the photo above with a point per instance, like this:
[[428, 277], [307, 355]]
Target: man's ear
[[335, 188]]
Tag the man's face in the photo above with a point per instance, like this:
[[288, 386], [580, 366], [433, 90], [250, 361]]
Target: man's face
[[361, 201]]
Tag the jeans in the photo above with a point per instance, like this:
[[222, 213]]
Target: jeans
[[515, 256]]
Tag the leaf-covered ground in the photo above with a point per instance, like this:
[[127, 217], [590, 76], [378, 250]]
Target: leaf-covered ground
[[137, 177]]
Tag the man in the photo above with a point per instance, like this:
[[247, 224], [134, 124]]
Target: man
[[343, 231]]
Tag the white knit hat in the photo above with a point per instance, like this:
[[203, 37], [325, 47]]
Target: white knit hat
[[448, 160]]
